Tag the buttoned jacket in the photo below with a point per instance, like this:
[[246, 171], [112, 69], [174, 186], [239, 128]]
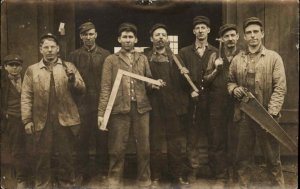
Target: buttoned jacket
[[36, 90], [270, 79], [89, 65], [122, 102]]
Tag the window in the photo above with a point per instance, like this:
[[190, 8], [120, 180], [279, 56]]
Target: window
[[137, 49], [173, 39]]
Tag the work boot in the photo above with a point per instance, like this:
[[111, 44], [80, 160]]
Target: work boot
[[192, 176], [180, 183], [21, 185], [219, 184], [155, 184]]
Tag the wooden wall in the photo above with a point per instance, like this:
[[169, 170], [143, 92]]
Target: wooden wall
[[22, 22]]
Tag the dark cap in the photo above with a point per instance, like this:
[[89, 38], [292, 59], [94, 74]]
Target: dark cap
[[226, 27], [156, 26], [127, 27], [49, 35], [252, 20], [201, 20], [12, 58], [86, 26]]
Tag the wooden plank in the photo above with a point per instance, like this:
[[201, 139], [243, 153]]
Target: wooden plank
[[22, 31], [247, 9], [289, 116], [229, 11], [3, 29], [288, 29], [272, 31], [45, 20], [64, 12]]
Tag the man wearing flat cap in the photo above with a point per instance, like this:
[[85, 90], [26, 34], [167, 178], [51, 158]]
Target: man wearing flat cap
[[169, 106], [196, 57], [89, 60], [50, 114], [12, 129], [130, 110], [220, 102], [261, 72]]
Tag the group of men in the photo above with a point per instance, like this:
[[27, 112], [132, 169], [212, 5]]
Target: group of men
[[62, 104]]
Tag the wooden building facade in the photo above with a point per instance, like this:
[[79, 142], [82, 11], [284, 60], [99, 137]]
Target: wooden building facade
[[22, 22]]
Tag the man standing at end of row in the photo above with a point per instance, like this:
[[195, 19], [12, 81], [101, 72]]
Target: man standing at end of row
[[261, 72], [12, 129], [89, 60]]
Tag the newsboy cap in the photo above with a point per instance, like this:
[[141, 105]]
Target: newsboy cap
[[12, 58], [252, 20], [86, 26], [49, 35], [127, 27], [226, 27], [156, 26], [201, 20]]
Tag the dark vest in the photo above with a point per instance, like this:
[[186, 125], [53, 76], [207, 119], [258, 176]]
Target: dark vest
[[172, 97], [13, 101]]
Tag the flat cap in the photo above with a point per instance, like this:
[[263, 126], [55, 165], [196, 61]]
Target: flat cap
[[12, 58], [86, 26], [156, 26], [127, 27], [201, 20], [226, 27], [49, 35], [252, 20]]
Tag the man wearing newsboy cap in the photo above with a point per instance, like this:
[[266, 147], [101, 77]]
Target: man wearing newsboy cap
[[50, 114], [196, 57], [261, 72], [12, 129], [169, 106], [221, 104], [89, 60], [130, 110]]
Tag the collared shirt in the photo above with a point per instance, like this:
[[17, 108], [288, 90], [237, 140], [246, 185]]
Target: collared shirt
[[50, 65], [200, 47], [130, 56], [159, 57], [252, 59], [16, 81]]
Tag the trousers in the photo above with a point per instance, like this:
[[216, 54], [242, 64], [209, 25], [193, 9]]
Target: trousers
[[118, 134]]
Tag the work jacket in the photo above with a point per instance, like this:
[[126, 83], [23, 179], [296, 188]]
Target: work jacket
[[36, 90], [122, 103], [89, 64], [270, 80], [197, 65]]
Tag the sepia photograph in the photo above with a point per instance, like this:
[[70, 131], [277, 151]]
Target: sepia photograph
[[149, 94]]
